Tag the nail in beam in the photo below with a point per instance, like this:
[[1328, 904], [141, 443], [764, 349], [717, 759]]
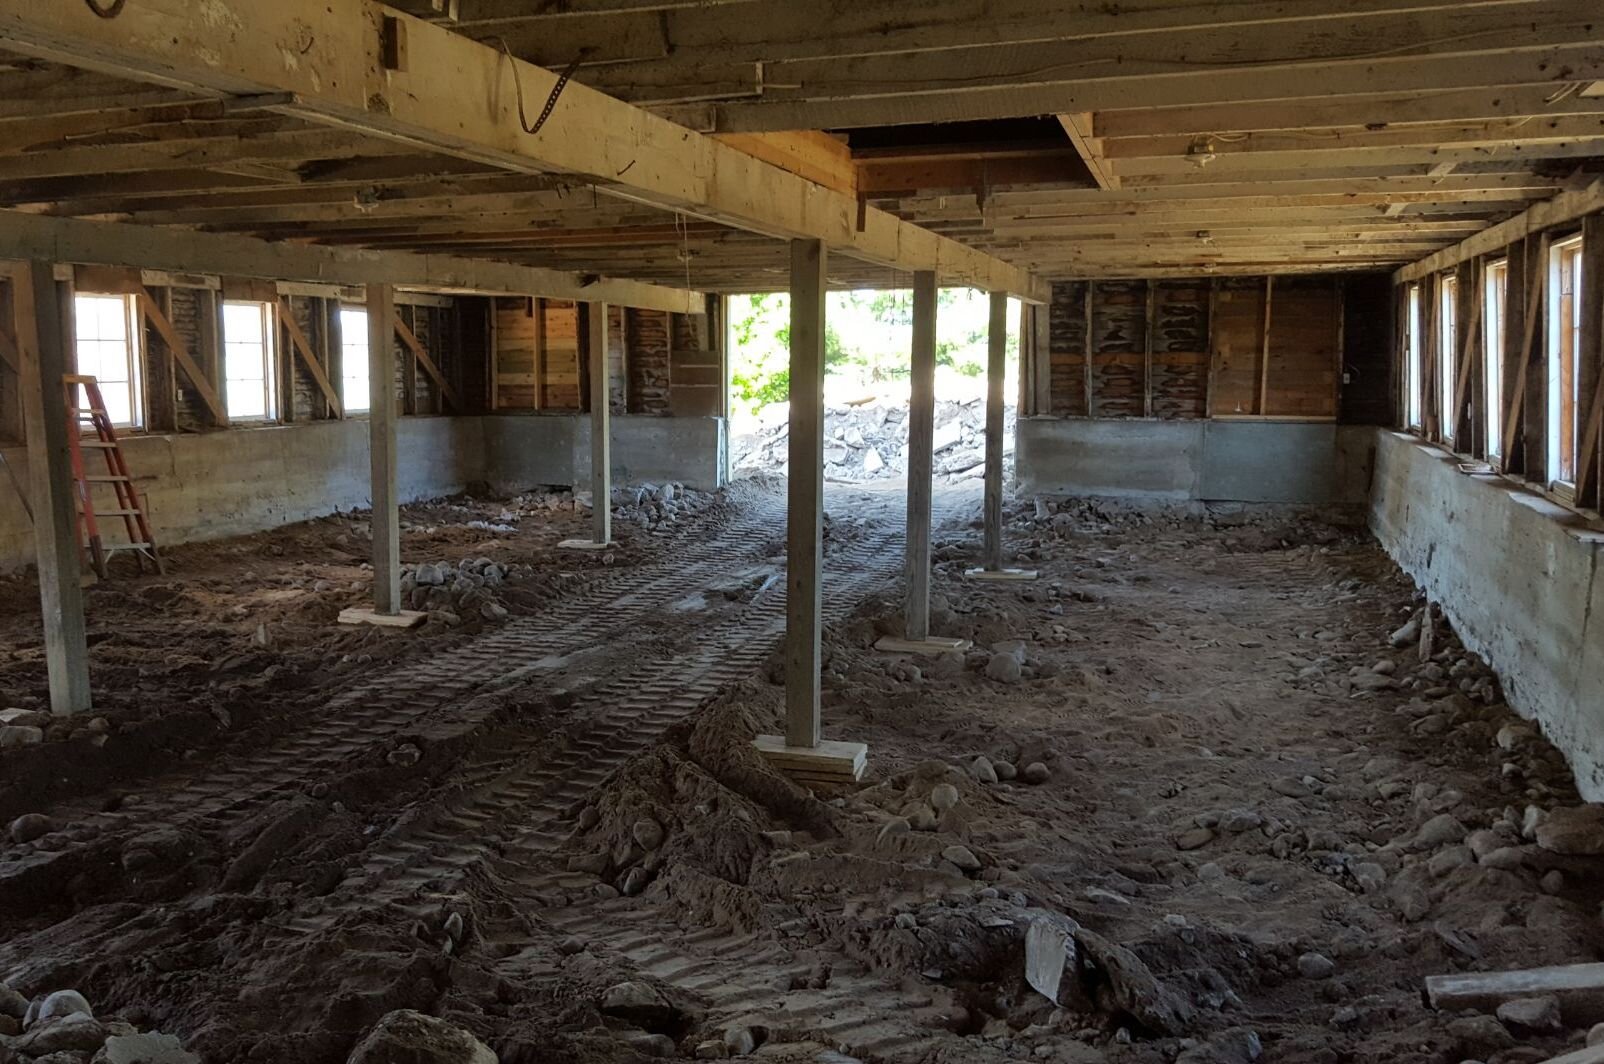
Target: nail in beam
[[799, 753], [42, 339], [921, 460], [601, 439], [386, 521], [996, 369]]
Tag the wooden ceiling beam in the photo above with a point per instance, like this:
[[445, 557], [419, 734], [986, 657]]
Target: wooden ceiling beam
[[1316, 161], [455, 96], [1495, 134], [277, 149], [1078, 127], [1364, 111], [70, 240], [1565, 207], [1555, 63], [769, 31]]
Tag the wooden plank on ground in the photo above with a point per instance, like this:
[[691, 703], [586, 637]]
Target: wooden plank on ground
[[831, 760], [1579, 988], [303, 348]]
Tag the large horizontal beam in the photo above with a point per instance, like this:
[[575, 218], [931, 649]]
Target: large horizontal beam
[[373, 70], [30, 236], [1566, 207]]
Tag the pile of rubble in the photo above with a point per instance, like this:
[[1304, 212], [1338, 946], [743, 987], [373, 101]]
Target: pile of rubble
[[869, 440], [61, 1028], [454, 589], [653, 507]]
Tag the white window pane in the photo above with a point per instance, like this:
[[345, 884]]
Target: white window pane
[[356, 394], [118, 403], [246, 399]]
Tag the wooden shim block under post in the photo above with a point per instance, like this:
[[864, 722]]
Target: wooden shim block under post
[[829, 762], [365, 615], [1578, 987]]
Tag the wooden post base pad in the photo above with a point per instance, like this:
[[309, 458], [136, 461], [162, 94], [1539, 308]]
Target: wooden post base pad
[[364, 615], [934, 644], [585, 544], [829, 762], [1000, 575]]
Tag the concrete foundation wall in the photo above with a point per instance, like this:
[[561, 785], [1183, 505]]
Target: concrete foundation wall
[[211, 485], [1518, 577], [1308, 463]]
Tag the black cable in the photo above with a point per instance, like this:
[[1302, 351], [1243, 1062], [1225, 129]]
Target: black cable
[[517, 82], [111, 10]]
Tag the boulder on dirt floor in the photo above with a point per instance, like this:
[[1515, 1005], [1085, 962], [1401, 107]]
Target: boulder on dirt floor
[[150, 1048], [1130, 987], [1577, 831], [641, 1004], [408, 1037]]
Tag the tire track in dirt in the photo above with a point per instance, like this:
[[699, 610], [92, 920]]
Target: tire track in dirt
[[516, 817], [632, 713], [373, 712]]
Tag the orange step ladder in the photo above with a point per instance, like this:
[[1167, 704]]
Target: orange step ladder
[[129, 507]]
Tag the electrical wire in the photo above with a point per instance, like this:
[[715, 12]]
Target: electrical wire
[[518, 86], [111, 10]]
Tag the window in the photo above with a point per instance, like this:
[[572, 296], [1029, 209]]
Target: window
[[1564, 358], [1495, 284], [1447, 332], [354, 360], [107, 346], [1412, 382], [248, 361]]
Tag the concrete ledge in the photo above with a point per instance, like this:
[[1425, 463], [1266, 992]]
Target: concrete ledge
[[1518, 577], [1279, 462]]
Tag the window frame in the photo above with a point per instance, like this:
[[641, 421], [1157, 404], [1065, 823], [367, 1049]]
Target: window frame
[[1495, 308], [349, 314], [133, 349], [1563, 357], [1414, 408], [1447, 357], [270, 355]]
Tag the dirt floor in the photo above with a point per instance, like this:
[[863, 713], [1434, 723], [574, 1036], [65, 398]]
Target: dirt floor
[[1186, 775]]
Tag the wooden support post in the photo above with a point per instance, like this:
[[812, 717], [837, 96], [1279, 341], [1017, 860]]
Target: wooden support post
[[601, 450], [386, 521], [593, 335], [1264, 354], [805, 496], [43, 340], [992, 507], [1147, 349], [996, 367], [801, 753], [921, 457], [1086, 352], [921, 461]]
